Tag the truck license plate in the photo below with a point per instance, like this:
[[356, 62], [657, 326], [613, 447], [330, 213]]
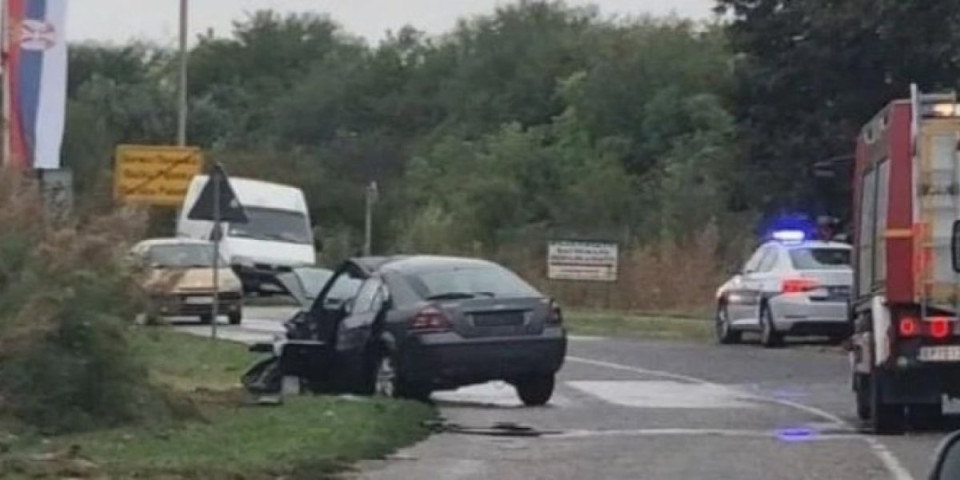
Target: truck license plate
[[199, 300], [940, 354]]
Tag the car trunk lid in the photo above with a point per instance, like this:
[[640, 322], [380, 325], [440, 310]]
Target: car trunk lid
[[496, 317]]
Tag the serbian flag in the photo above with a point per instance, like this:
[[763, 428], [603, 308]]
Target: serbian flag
[[35, 72]]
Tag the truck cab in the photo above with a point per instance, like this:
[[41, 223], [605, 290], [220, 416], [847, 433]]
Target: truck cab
[[905, 350]]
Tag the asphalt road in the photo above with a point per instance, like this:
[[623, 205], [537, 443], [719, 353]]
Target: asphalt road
[[655, 410]]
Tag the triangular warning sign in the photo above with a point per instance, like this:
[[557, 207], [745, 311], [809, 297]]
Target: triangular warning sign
[[230, 209]]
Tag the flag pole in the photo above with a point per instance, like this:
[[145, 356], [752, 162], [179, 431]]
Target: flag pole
[[5, 55]]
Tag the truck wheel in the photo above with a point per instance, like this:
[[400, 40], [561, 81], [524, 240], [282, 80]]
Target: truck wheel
[[235, 317], [769, 337], [535, 391], [862, 390], [924, 415], [726, 335], [886, 418]]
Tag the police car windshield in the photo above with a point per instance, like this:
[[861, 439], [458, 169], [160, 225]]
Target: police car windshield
[[820, 258]]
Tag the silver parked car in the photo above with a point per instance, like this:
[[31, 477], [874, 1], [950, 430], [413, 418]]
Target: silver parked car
[[789, 286]]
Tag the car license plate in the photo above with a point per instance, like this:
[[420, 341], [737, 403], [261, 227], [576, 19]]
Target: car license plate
[[199, 300], [839, 293], [949, 353]]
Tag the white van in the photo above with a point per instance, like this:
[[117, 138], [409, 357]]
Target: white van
[[277, 238]]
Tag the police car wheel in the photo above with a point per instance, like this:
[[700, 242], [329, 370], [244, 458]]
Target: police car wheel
[[726, 335], [769, 337]]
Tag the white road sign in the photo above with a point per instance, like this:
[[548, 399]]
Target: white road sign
[[583, 261]]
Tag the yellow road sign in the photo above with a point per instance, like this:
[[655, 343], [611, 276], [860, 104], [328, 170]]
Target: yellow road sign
[[154, 175]]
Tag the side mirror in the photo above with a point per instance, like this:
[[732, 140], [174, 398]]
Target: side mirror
[[947, 463]]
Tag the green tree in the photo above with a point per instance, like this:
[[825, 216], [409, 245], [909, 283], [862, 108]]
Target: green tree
[[811, 73]]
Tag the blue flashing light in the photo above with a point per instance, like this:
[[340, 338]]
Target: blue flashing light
[[789, 235], [796, 434]]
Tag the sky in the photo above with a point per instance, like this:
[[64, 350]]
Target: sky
[[118, 21]]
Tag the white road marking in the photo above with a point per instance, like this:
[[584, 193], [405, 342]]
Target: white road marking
[[696, 432], [498, 394], [665, 394], [896, 468], [584, 338]]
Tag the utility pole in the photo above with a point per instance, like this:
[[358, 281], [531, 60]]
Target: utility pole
[[182, 86], [371, 198]]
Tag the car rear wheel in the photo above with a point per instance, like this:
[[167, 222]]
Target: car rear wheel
[[387, 382], [235, 317], [726, 335], [385, 379], [206, 319], [535, 391], [769, 336]]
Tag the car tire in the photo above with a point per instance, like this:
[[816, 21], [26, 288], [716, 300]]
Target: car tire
[[535, 391], [769, 336], [206, 319], [924, 415], [885, 418], [387, 381], [725, 333], [236, 318]]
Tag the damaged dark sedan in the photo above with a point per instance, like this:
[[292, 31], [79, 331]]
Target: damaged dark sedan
[[407, 326]]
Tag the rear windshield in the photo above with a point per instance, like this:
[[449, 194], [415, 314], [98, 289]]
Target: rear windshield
[[479, 282], [189, 255], [820, 258]]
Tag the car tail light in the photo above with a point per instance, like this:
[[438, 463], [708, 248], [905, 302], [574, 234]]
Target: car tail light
[[940, 327], [430, 320], [908, 327], [556, 314], [799, 285]]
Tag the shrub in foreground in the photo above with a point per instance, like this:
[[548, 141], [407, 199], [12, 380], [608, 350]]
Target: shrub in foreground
[[65, 304]]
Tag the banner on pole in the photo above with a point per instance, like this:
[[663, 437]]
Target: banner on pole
[[35, 72]]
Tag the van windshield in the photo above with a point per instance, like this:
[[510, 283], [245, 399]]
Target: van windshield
[[274, 225]]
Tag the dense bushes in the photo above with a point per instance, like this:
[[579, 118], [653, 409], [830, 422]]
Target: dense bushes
[[65, 305]]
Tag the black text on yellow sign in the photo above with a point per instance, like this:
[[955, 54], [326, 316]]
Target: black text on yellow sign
[[155, 175]]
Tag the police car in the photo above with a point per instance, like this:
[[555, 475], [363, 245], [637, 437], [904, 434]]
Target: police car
[[791, 285]]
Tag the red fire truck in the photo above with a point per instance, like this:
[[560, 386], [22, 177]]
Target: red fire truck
[[905, 351]]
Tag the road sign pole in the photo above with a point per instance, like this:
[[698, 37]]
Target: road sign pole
[[368, 226], [182, 93], [371, 198], [217, 234]]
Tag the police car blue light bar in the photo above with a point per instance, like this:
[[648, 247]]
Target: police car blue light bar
[[789, 235]]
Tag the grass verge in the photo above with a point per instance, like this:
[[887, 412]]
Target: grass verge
[[614, 324], [308, 437]]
